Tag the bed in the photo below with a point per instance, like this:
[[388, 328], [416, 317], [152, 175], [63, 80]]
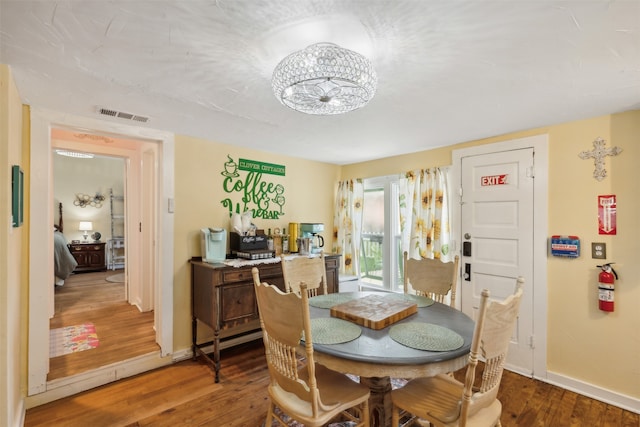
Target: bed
[[64, 262]]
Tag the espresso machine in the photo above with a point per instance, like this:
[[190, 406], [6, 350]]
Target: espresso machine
[[312, 232]]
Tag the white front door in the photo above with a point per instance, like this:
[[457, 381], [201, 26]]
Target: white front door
[[497, 234]]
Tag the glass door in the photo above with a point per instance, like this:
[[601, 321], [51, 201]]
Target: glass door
[[380, 257]]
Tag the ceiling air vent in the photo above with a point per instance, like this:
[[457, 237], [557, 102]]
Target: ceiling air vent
[[122, 115]]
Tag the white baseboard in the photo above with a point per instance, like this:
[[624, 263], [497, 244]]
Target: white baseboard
[[63, 387], [184, 354], [607, 396]]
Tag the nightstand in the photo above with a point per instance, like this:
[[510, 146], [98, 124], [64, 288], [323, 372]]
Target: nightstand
[[90, 256]]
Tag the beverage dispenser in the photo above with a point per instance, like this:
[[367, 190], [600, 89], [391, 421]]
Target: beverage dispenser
[[213, 244]]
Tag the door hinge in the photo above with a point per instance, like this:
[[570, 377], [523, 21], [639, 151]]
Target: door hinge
[[531, 172], [532, 341]]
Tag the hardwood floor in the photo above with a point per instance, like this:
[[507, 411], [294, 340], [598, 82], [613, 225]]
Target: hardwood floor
[[185, 394], [122, 330]]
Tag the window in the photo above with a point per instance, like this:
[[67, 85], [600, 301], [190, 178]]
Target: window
[[380, 249]]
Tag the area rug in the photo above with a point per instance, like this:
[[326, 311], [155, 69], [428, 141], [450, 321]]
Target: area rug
[[72, 339], [116, 278], [395, 383], [291, 423]]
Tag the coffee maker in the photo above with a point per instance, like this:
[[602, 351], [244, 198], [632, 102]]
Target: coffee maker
[[213, 243], [311, 231]]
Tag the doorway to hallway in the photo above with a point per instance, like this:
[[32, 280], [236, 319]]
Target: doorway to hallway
[[41, 259]]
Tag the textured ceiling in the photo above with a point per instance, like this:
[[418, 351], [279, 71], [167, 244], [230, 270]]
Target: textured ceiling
[[448, 71]]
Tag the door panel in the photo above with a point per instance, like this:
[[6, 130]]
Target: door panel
[[497, 218]]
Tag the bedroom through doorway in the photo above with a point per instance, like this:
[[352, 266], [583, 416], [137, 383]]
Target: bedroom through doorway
[[92, 306]]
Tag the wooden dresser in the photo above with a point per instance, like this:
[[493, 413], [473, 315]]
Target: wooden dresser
[[223, 298], [89, 256]]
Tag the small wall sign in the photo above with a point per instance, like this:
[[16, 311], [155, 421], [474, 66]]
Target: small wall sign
[[607, 214], [494, 180]]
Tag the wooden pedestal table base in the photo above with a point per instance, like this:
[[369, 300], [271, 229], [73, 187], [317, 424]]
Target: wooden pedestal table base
[[380, 405]]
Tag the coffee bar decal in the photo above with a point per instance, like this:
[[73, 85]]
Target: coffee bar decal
[[254, 182]]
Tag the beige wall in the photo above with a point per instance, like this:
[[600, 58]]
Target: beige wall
[[584, 343], [12, 274], [309, 191]]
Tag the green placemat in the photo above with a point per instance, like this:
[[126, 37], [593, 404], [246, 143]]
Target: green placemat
[[329, 330], [329, 300], [420, 300], [426, 336]]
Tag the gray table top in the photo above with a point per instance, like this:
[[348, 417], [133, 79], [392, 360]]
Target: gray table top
[[377, 346]]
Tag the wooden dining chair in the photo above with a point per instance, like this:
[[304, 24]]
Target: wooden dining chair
[[446, 402], [305, 269], [431, 278], [302, 389]]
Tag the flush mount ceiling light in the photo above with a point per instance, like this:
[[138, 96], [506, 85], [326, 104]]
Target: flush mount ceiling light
[[324, 79], [75, 154]]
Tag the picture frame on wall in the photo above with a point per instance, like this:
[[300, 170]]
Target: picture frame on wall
[[17, 195]]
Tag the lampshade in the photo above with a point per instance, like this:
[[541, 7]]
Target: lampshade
[[85, 226], [324, 79]]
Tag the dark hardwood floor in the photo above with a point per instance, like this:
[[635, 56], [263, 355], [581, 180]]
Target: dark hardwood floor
[[185, 394], [123, 332]]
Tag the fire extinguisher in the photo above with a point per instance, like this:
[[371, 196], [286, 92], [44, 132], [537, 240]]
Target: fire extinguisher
[[606, 280]]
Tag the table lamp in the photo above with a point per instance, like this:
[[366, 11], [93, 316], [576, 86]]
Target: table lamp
[[85, 226]]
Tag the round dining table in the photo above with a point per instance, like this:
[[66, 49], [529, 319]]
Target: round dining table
[[376, 357]]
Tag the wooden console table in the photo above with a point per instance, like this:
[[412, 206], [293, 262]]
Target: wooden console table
[[223, 298]]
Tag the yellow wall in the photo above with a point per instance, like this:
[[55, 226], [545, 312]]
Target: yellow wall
[[584, 343], [12, 278], [309, 191]]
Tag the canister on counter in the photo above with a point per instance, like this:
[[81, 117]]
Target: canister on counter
[[293, 235], [277, 244]]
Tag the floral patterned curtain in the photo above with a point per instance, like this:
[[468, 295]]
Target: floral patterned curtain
[[347, 225], [424, 214]]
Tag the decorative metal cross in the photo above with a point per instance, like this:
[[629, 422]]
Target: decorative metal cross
[[598, 154]]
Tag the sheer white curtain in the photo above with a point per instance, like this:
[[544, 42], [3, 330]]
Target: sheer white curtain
[[347, 225], [425, 214]]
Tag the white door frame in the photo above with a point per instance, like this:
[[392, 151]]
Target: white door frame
[[540, 224], [41, 220]]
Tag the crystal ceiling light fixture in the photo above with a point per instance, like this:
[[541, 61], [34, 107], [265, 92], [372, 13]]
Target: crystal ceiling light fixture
[[324, 79]]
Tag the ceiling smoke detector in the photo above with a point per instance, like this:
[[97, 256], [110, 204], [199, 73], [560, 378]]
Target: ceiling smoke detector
[[122, 115]]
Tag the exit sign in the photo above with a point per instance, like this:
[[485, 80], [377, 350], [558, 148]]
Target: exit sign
[[493, 180]]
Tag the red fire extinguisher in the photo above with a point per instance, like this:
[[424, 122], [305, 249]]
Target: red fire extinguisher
[[606, 280]]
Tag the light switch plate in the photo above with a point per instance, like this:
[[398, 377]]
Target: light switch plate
[[598, 250]]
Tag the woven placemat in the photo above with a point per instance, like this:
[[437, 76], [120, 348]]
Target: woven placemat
[[419, 300], [426, 336], [329, 330], [329, 300]]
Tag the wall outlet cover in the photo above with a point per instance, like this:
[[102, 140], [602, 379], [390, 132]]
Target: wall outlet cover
[[598, 250]]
